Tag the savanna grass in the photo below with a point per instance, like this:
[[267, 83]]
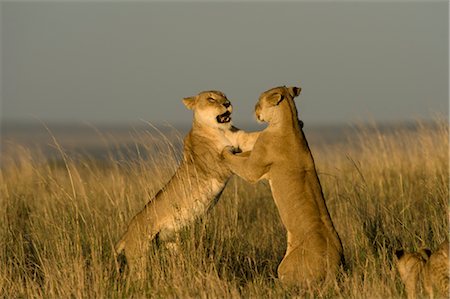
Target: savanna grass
[[60, 218]]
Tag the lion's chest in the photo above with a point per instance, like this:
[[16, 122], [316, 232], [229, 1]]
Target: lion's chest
[[221, 142], [207, 195], [196, 205]]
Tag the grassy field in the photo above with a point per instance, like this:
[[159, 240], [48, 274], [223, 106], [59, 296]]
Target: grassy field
[[60, 218]]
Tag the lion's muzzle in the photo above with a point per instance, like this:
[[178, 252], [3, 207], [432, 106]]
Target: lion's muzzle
[[224, 118]]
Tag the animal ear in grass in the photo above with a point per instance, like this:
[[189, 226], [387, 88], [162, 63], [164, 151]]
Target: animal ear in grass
[[425, 253], [399, 253]]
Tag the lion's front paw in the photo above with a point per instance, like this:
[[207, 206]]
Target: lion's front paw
[[227, 150], [230, 150]]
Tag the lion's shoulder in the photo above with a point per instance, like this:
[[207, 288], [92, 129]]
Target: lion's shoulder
[[241, 139], [206, 138]]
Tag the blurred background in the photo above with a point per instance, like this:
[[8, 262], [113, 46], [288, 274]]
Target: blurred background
[[86, 69]]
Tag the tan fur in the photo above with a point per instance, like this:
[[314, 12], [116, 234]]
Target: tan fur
[[197, 183], [422, 268], [281, 155]]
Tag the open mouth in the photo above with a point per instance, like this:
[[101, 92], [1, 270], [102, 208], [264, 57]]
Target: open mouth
[[224, 118]]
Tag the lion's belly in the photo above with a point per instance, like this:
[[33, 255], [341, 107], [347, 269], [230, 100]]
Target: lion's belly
[[191, 209], [291, 202]]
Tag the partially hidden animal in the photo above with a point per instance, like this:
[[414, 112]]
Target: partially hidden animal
[[424, 270], [197, 183], [282, 156]]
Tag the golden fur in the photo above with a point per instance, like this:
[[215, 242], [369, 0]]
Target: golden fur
[[197, 183], [281, 155], [423, 268]]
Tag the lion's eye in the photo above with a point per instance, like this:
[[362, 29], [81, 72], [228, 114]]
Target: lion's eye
[[211, 100]]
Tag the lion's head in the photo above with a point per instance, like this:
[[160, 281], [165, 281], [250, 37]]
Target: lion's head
[[269, 100], [409, 266], [211, 108]]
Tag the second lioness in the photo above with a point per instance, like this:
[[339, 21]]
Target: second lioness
[[197, 183], [282, 156]]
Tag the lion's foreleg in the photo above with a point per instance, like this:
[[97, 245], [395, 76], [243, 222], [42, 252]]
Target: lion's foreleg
[[239, 138], [246, 141], [244, 166]]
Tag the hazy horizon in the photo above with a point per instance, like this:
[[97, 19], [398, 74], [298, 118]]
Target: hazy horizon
[[126, 63]]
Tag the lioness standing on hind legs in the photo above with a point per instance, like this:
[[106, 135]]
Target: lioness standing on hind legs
[[281, 155], [197, 183]]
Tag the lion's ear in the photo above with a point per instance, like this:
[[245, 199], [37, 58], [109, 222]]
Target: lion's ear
[[275, 99], [399, 253], [294, 91], [189, 102], [425, 253], [301, 123]]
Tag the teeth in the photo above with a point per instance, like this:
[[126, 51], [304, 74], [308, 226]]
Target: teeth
[[224, 118]]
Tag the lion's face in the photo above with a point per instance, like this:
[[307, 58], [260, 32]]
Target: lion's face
[[269, 100], [211, 108]]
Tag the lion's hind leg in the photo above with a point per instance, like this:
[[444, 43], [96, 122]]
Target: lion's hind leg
[[134, 246], [131, 252], [302, 266], [311, 262]]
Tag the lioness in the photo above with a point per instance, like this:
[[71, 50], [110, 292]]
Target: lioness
[[425, 268], [197, 183], [282, 156]]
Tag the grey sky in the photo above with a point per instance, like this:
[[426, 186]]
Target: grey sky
[[123, 62]]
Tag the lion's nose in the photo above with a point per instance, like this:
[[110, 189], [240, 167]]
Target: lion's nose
[[227, 104]]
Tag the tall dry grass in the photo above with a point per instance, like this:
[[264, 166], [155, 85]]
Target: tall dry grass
[[59, 220]]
